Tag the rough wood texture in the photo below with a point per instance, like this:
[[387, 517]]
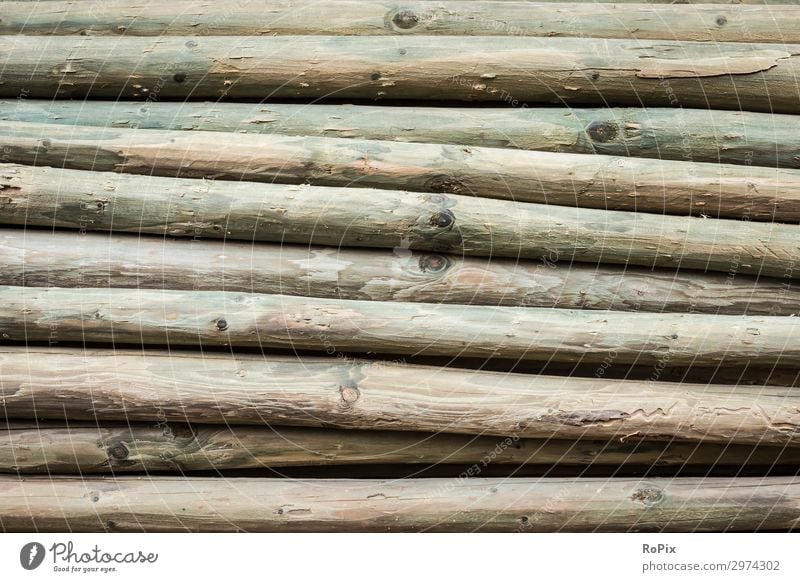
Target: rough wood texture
[[450, 17], [34, 447], [218, 388], [72, 259], [453, 505], [688, 135], [219, 318], [399, 220], [576, 71], [602, 182]]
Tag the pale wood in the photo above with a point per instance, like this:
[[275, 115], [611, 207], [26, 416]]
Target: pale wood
[[450, 17], [455, 505], [73, 259], [688, 135], [399, 220], [220, 318], [41, 447], [576, 71], [601, 182], [218, 388]]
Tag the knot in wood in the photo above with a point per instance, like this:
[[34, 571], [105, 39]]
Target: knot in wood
[[649, 495], [602, 131], [433, 263], [405, 19], [443, 219], [118, 451], [349, 395]]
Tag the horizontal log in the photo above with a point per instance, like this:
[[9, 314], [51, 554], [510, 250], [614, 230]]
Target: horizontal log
[[688, 135], [27, 447], [603, 182], [221, 318], [450, 17], [453, 505], [575, 71], [399, 220], [214, 388], [38, 258]]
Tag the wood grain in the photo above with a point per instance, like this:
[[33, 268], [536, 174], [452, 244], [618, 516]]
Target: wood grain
[[687, 135], [40, 447], [597, 181], [452, 505], [574, 71], [39, 258], [218, 388]]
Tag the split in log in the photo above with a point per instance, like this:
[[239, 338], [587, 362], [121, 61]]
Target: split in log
[[37, 258], [33, 447], [450, 505], [212, 388], [688, 135], [589, 181], [221, 318], [413, 17], [399, 220], [574, 71]]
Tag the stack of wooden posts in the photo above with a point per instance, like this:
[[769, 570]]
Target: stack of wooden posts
[[454, 266]]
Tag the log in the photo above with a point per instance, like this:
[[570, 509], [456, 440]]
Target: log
[[221, 318], [688, 135], [574, 71], [49, 448], [136, 504], [602, 182], [229, 319], [219, 388], [451, 17], [38, 258], [27, 447], [399, 220]]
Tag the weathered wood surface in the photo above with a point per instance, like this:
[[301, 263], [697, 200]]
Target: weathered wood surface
[[399, 220], [38, 258], [221, 318], [575, 71], [566, 179], [40, 447], [215, 388], [688, 135], [450, 17], [453, 505]]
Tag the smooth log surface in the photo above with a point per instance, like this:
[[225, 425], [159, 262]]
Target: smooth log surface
[[450, 17], [36, 447], [597, 181], [221, 318], [449, 505], [213, 388], [688, 135], [579, 71], [400, 220], [38, 258]]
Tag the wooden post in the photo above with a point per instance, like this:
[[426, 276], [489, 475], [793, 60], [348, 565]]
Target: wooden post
[[218, 388], [688, 135], [399, 220], [450, 17], [40, 447], [602, 182], [128, 504], [74, 259], [516, 70]]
